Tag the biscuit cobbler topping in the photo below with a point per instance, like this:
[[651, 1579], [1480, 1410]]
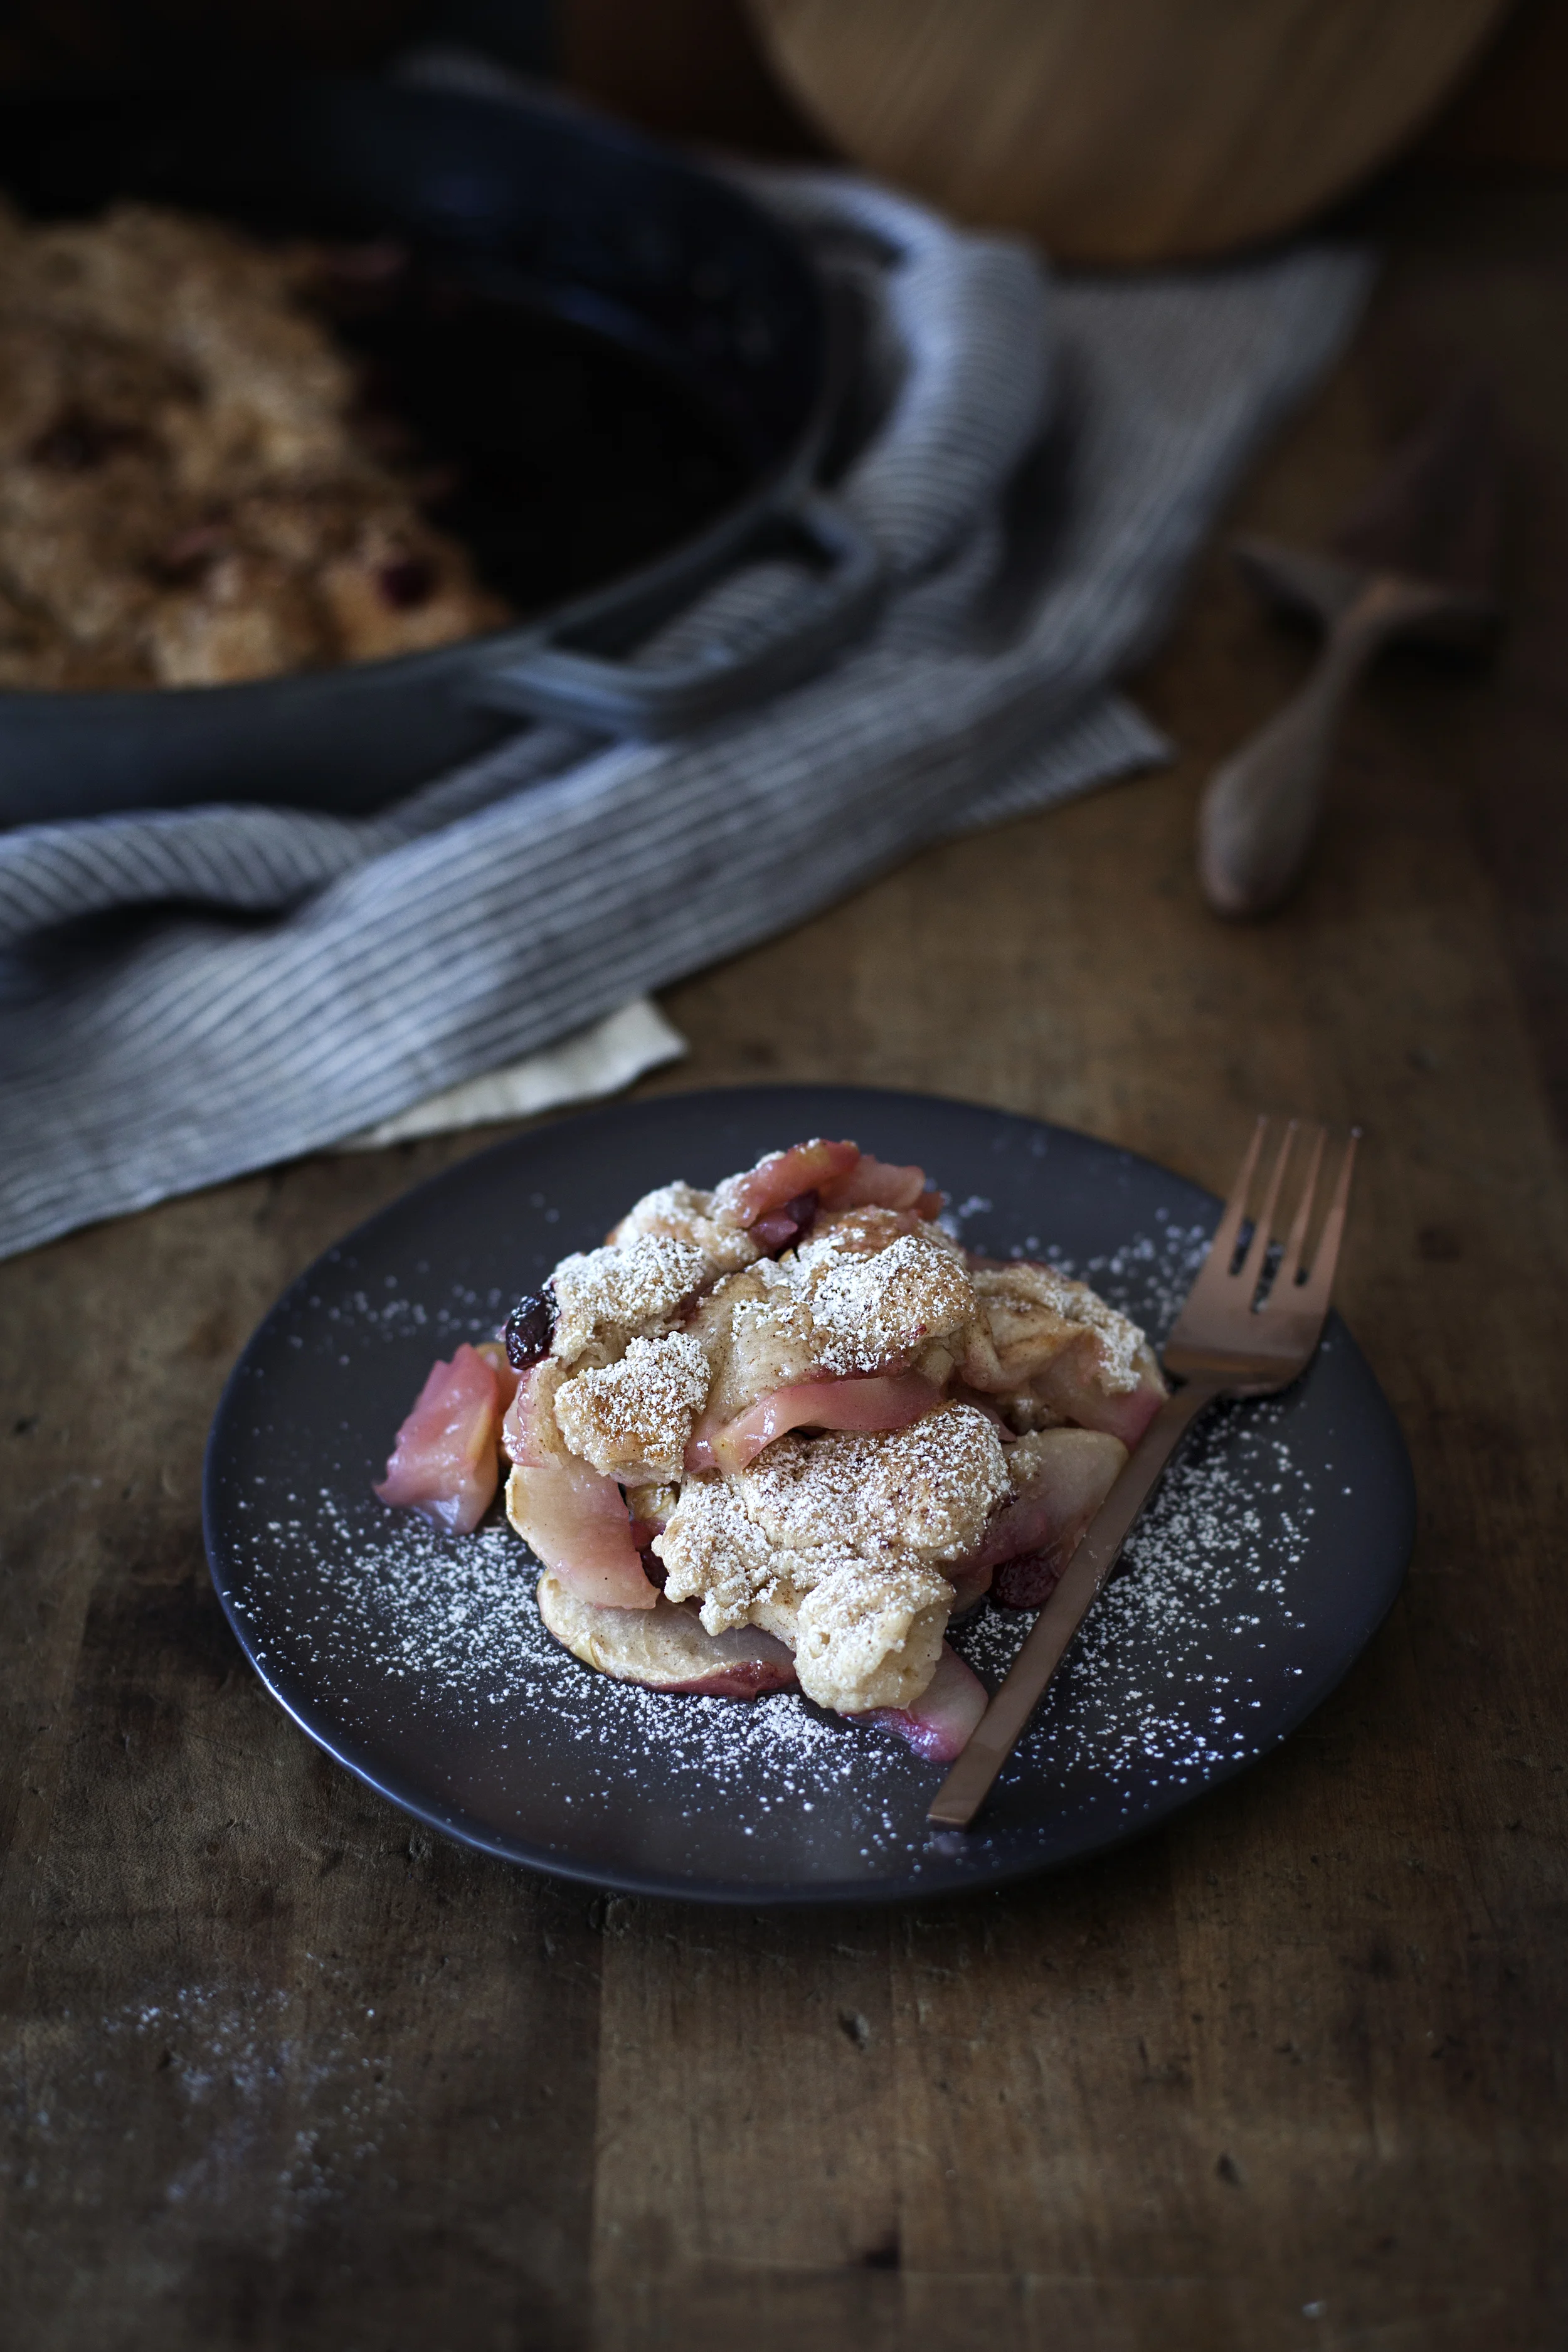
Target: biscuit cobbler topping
[[192, 489], [779, 1433]]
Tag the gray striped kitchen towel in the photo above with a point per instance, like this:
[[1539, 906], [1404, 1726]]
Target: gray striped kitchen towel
[[187, 995]]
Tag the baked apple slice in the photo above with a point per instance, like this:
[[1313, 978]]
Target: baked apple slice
[[879, 1401], [782, 1179], [938, 1724], [445, 1463], [572, 1517], [878, 1184], [664, 1648], [1062, 1477], [576, 1524], [777, 1199], [1071, 1389]]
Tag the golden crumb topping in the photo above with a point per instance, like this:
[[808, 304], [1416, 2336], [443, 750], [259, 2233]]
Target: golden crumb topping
[[922, 1493], [714, 1552], [632, 1419], [686, 1215], [872, 1310], [606, 1296], [758, 1335], [1034, 1313], [870, 1637], [192, 491], [807, 1535]]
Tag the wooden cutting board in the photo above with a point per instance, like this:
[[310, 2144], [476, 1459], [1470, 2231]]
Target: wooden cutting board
[[1123, 130]]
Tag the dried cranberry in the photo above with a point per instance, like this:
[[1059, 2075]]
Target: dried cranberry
[[1028, 1582], [530, 1328], [643, 1534], [782, 1228], [405, 582]]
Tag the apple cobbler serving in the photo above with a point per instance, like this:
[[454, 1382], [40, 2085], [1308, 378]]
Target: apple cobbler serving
[[780, 1434], [192, 490]]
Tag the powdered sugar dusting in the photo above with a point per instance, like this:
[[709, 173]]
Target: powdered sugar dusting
[[632, 1419], [424, 1657], [453, 1622], [1211, 1564], [603, 1295], [867, 1307]]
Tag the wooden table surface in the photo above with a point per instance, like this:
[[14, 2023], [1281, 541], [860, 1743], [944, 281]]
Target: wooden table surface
[[282, 2070]]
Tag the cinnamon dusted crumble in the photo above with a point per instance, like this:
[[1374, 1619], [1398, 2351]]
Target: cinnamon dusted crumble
[[685, 1214], [922, 1493], [795, 1408], [1032, 1311], [190, 493], [869, 1636], [632, 1419], [875, 1307], [837, 1544], [607, 1297]]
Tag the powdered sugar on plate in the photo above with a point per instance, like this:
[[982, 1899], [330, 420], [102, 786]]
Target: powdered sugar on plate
[[453, 1621], [1268, 1554], [1215, 1557]]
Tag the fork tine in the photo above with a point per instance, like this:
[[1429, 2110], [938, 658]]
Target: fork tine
[[1222, 1249], [1314, 1294], [1258, 1248], [1291, 1263]]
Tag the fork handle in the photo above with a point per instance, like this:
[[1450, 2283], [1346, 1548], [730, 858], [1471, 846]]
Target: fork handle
[[997, 1734]]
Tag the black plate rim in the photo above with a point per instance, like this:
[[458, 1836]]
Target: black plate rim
[[772, 1895]]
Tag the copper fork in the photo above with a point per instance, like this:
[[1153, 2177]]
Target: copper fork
[[1224, 1344]]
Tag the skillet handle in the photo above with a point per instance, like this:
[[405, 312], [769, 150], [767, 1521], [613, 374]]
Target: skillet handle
[[545, 678]]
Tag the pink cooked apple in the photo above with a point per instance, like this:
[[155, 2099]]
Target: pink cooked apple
[[938, 1724], [879, 1401], [575, 1523], [1070, 1389], [444, 1463], [878, 1184], [1065, 1476]]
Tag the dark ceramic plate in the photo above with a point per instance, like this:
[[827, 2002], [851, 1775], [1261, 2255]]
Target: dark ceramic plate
[[1272, 1552]]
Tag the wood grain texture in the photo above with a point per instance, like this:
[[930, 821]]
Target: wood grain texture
[[281, 2072], [1138, 132], [684, 69]]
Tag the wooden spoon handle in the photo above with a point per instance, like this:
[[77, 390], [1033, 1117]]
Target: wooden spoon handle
[[1261, 806]]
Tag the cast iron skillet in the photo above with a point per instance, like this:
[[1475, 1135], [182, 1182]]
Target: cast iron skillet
[[590, 302]]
